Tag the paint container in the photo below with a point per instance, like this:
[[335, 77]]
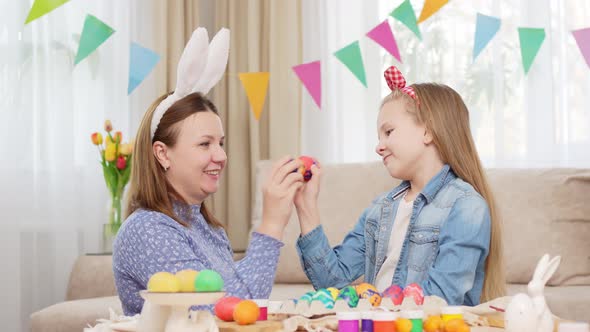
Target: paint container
[[348, 321], [416, 317], [263, 305], [367, 321], [452, 312], [384, 321]]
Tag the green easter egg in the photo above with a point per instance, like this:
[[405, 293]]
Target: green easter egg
[[208, 281], [349, 295]]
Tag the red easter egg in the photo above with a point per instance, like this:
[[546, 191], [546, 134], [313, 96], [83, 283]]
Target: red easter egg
[[224, 308], [305, 170], [415, 291]]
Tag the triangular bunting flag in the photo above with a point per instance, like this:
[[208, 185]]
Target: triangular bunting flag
[[583, 39], [405, 14], [351, 57], [486, 28], [256, 85], [94, 33], [42, 7], [141, 62], [431, 7], [310, 75], [531, 40], [383, 36]]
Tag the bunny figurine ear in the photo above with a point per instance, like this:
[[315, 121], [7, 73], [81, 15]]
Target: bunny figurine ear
[[216, 62], [550, 268]]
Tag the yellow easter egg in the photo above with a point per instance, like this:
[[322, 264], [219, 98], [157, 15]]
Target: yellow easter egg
[[163, 282], [187, 280]]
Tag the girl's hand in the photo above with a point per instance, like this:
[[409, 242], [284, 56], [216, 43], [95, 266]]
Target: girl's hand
[[306, 201], [278, 193]]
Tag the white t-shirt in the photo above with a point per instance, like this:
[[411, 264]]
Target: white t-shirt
[[394, 248]]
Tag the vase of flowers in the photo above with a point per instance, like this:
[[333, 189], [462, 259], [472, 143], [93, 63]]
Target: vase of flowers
[[115, 159]]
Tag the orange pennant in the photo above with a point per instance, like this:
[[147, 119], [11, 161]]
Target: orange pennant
[[431, 7], [256, 86]]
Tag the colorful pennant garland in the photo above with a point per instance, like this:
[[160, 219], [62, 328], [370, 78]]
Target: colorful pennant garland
[[256, 86]]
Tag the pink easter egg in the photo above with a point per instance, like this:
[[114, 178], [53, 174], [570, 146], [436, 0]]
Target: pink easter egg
[[395, 293], [415, 291]]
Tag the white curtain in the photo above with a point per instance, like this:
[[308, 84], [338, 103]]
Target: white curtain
[[53, 197], [537, 120]]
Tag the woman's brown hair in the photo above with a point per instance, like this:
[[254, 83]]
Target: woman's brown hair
[[148, 187]]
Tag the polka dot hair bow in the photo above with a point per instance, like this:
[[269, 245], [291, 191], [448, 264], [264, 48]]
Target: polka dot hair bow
[[396, 81]]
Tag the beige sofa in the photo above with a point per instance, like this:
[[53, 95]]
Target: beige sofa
[[544, 211]]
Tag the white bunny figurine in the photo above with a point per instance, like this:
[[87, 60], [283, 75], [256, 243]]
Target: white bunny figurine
[[529, 313]]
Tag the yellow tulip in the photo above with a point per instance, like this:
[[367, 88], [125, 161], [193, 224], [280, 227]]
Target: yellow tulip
[[110, 153], [125, 149]]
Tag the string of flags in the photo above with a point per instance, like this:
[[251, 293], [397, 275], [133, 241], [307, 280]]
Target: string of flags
[[142, 60]]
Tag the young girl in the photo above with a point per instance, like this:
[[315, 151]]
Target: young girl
[[439, 228]]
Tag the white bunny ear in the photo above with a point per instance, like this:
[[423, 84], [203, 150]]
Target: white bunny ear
[[216, 62], [541, 267], [192, 63], [550, 268]]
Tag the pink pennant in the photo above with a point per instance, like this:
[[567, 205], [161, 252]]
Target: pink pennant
[[310, 75], [383, 36], [583, 39]]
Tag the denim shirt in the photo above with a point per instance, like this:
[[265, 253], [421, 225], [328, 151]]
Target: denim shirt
[[444, 251]]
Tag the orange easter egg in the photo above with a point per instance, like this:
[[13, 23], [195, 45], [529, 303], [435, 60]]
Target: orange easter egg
[[433, 324], [246, 312], [403, 325], [454, 325]]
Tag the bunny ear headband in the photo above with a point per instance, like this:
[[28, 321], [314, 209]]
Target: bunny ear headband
[[396, 81], [200, 67]]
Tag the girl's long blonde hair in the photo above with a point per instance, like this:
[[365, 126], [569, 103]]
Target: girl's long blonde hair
[[148, 187], [443, 112]]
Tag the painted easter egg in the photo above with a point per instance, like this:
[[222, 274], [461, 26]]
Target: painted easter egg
[[415, 291], [208, 281], [163, 282], [349, 295], [324, 296], [395, 293], [334, 292], [187, 280], [368, 291], [224, 308], [306, 297]]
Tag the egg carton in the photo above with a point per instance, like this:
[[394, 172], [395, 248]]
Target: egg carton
[[432, 306]]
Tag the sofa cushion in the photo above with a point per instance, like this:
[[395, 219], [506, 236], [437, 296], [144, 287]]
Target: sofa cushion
[[566, 302], [346, 190], [545, 211], [91, 276], [74, 316]]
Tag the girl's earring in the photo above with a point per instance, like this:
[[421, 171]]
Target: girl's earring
[[166, 168]]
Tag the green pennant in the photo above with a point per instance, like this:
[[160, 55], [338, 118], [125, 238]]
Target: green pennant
[[42, 7], [351, 57], [94, 33], [531, 40], [405, 14]]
